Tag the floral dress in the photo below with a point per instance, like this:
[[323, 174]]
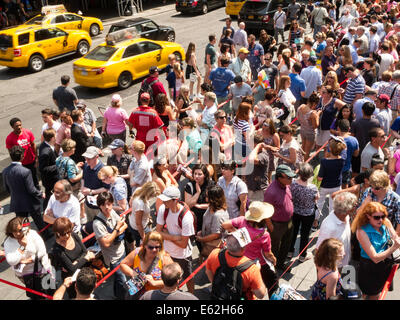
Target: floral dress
[[319, 289]]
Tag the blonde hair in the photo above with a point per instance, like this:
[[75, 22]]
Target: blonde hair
[[147, 191], [379, 179], [335, 85], [67, 145], [151, 236], [107, 171], [361, 218], [138, 146]]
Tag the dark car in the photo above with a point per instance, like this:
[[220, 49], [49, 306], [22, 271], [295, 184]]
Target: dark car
[[146, 28], [258, 14], [198, 6]]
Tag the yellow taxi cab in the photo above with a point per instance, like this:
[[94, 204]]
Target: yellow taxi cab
[[59, 17], [31, 46], [124, 57], [233, 7]]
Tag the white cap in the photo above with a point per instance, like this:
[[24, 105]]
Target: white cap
[[170, 193]]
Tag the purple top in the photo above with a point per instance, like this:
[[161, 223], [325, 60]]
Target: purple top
[[281, 198]]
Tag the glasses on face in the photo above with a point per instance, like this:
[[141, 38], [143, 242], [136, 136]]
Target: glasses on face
[[377, 218], [376, 188], [222, 117], [153, 247]]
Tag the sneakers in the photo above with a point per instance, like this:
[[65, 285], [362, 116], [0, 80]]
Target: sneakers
[[307, 257]]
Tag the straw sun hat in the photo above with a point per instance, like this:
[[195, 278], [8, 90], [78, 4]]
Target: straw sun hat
[[259, 211]]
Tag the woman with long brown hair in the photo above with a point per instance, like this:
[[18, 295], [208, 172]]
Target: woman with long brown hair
[[242, 128], [164, 110], [192, 71], [378, 240]]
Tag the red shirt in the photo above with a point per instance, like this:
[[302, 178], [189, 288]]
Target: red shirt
[[144, 119], [157, 87], [25, 140]]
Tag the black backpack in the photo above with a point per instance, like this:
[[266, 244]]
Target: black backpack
[[147, 87], [227, 282]]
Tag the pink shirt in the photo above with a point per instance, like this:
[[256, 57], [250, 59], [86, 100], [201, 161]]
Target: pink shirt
[[64, 132], [115, 120], [397, 157], [253, 249]]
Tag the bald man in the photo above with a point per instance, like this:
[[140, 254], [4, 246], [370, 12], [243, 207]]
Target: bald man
[[240, 37]]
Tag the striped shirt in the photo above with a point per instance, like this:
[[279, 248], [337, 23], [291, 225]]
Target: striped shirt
[[392, 90], [355, 86], [240, 127]]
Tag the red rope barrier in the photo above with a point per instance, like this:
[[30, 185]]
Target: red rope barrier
[[193, 274], [27, 289], [388, 282], [108, 275], [221, 104], [387, 139]]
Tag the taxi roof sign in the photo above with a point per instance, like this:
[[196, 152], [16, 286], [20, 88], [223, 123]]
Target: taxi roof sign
[[59, 8], [122, 35]]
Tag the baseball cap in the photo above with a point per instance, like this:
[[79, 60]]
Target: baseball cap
[[170, 193], [145, 96], [384, 97], [243, 50], [117, 143], [81, 104], [242, 236], [91, 152], [154, 69], [283, 168], [238, 79]]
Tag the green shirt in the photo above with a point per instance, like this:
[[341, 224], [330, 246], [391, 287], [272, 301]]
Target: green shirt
[[213, 54]]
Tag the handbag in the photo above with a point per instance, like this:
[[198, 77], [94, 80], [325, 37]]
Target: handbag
[[34, 281], [207, 247]]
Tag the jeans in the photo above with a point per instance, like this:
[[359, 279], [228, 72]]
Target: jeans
[[306, 223], [323, 192], [119, 280], [281, 238], [279, 31]]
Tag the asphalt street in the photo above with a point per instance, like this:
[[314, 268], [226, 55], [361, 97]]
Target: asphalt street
[[24, 94]]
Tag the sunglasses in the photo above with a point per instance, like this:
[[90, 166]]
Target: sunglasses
[[154, 247], [377, 218], [222, 117], [376, 188]]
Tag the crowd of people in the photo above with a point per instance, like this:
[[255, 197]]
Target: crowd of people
[[218, 159]]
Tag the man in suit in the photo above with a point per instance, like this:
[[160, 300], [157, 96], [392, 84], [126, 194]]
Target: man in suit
[[79, 135], [47, 163], [18, 181]]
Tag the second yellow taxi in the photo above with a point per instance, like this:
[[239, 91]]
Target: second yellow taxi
[[57, 16], [122, 59]]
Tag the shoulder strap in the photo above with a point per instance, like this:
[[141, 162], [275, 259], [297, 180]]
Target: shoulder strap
[[222, 258], [244, 266], [153, 82], [153, 264], [394, 90], [103, 222], [326, 275]]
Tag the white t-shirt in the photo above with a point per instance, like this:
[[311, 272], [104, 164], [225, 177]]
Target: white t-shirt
[[208, 116], [279, 18], [386, 60], [174, 229], [332, 227], [56, 126], [69, 209], [139, 205]]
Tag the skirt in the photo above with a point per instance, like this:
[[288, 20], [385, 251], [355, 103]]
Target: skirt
[[372, 276]]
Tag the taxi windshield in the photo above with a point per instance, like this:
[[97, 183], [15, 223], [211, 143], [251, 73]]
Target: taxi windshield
[[36, 20], [102, 53], [122, 35]]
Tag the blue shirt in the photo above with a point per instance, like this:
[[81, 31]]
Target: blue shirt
[[321, 47], [354, 54], [331, 172], [396, 125], [91, 179], [297, 85], [221, 79], [358, 107], [313, 78], [352, 146], [255, 53], [378, 240], [354, 86]]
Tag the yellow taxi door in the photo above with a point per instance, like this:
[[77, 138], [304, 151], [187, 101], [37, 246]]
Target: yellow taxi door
[[151, 54], [51, 40], [133, 60], [74, 22]]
